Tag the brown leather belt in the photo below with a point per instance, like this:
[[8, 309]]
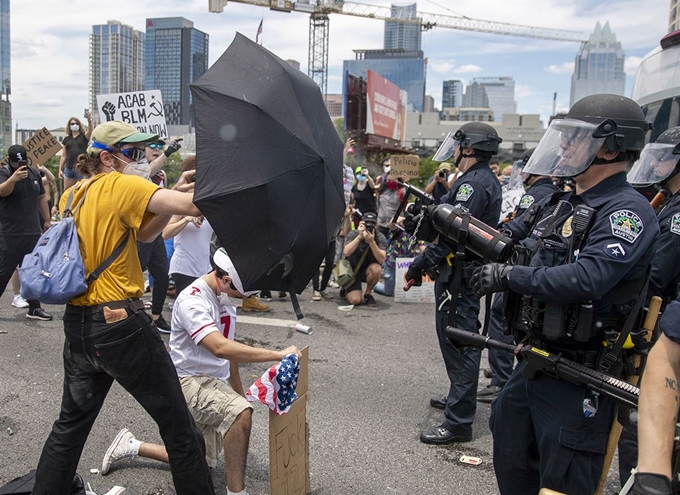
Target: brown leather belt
[[133, 303]]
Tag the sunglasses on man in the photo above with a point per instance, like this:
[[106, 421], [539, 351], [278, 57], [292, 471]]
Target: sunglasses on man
[[156, 146], [134, 154]]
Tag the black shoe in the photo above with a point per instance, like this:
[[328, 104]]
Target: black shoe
[[488, 394], [441, 435], [370, 301], [488, 373], [162, 325], [438, 402], [38, 314]]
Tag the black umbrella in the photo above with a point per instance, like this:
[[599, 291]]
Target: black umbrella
[[268, 166]]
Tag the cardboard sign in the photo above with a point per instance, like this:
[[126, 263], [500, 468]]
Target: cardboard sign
[[142, 109], [404, 165], [422, 294], [289, 442], [40, 147]]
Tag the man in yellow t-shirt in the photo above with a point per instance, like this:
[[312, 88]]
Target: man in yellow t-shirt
[[109, 336]]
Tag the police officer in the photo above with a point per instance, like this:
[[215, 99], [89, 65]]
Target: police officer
[[477, 189], [589, 251], [658, 408], [658, 165], [501, 363]]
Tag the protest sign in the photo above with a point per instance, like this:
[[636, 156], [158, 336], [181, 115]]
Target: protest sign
[[289, 442], [142, 109], [404, 165], [422, 294], [40, 147]]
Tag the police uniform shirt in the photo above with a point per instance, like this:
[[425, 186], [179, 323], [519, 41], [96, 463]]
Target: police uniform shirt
[[670, 321], [540, 189], [479, 191], [353, 258], [617, 249], [19, 210], [664, 276]]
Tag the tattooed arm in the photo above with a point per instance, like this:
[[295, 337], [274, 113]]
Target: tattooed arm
[[658, 407]]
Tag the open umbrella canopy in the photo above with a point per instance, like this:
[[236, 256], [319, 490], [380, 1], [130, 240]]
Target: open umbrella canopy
[[268, 166]]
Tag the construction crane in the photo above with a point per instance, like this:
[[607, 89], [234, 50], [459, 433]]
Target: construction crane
[[319, 11]]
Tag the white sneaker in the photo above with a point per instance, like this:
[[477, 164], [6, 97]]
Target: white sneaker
[[316, 296], [19, 302], [123, 447]]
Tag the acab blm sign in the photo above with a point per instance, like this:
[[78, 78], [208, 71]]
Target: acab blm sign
[[142, 109]]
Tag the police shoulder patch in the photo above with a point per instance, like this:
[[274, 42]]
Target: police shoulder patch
[[526, 201], [675, 224], [464, 192], [615, 250], [626, 224]]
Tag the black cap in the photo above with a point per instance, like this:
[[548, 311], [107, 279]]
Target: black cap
[[17, 153], [369, 217]]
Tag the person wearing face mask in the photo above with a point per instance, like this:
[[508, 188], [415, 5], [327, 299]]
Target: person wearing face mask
[[363, 195], [74, 145], [206, 357], [389, 197], [108, 334], [22, 204]]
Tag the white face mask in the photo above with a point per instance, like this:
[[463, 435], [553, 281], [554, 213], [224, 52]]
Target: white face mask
[[141, 169], [387, 169], [74, 127], [225, 300]]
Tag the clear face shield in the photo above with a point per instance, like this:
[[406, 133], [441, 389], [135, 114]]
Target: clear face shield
[[447, 148], [657, 161], [567, 148], [517, 177]]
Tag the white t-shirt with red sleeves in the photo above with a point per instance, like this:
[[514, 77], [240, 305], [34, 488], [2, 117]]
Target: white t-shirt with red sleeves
[[197, 313]]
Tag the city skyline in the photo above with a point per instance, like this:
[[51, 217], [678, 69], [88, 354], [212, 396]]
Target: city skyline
[[50, 61]]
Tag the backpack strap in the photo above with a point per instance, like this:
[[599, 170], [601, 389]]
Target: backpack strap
[[361, 260], [94, 275]]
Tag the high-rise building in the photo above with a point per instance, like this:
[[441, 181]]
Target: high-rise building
[[500, 92], [452, 94], [5, 79], [475, 96], [402, 35], [176, 55], [400, 67], [674, 16], [116, 60], [599, 66]]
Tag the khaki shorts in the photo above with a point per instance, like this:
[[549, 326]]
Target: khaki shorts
[[214, 406]]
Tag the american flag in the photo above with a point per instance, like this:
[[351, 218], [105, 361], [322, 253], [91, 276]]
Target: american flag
[[276, 387], [259, 31]]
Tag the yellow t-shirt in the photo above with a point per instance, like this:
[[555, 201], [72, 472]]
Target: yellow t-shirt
[[115, 207]]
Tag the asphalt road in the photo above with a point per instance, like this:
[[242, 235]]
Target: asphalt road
[[371, 371]]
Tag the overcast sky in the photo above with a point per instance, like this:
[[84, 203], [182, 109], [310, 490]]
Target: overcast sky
[[50, 44]]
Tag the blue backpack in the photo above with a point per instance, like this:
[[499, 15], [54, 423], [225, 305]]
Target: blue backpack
[[54, 272]]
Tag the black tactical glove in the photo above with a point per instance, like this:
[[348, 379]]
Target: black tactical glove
[[490, 278], [173, 147], [651, 484], [415, 272]]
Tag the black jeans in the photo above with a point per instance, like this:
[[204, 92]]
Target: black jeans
[[182, 282], [152, 255], [13, 248], [327, 269], [131, 352]]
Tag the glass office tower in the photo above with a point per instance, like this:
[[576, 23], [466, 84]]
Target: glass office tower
[[176, 55]]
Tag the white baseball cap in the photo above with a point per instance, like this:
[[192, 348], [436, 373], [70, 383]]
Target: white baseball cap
[[223, 261]]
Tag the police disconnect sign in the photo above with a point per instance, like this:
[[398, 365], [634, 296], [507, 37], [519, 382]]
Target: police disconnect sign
[[142, 109]]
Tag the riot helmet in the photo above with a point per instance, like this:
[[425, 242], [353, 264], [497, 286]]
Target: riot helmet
[[570, 145], [659, 161], [518, 177], [476, 135]]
